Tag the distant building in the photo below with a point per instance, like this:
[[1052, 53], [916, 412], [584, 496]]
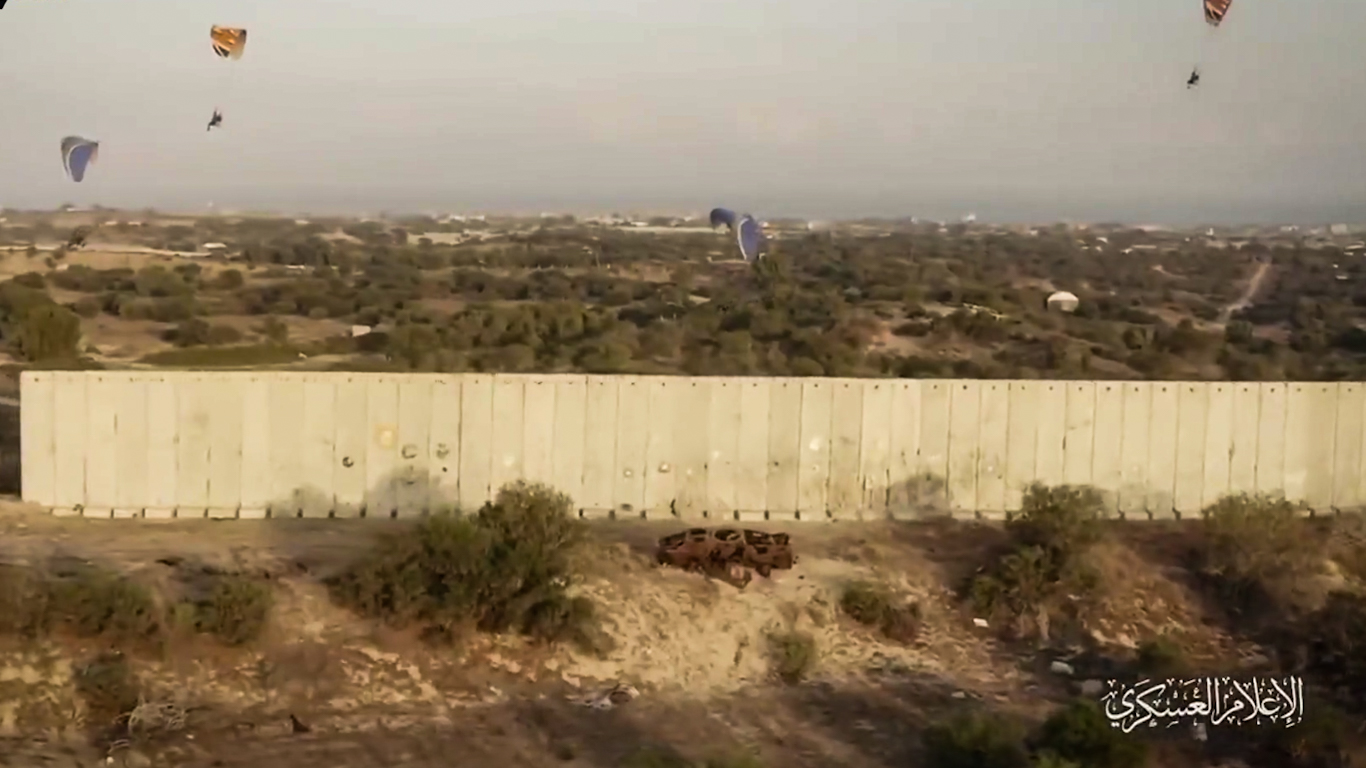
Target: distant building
[[212, 247], [1338, 229], [1063, 301], [360, 330]]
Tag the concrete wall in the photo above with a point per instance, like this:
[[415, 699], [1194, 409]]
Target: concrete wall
[[251, 443]]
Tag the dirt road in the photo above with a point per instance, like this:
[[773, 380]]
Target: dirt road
[[1253, 286]]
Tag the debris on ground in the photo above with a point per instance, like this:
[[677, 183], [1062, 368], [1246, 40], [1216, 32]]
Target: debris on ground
[[729, 554], [610, 698]]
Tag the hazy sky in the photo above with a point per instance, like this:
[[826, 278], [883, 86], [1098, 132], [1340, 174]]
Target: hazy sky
[[1037, 110]]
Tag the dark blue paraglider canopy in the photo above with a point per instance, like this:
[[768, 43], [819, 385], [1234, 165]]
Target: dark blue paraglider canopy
[[721, 216], [77, 153], [750, 235]]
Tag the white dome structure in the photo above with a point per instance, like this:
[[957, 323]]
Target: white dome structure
[[1063, 301]]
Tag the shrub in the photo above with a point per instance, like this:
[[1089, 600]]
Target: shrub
[[975, 740], [1256, 548], [506, 568], [1080, 732], [1055, 528], [110, 691], [793, 654], [99, 604], [237, 610], [49, 332], [874, 606], [1161, 657], [24, 602]]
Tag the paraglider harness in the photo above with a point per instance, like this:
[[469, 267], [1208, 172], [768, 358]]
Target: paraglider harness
[[1194, 79], [217, 119]]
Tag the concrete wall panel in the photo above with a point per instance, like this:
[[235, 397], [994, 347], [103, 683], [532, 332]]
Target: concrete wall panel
[[1271, 429], [1298, 407], [1242, 460], [1133, 449], [130, 427], [381, 446], [785, 451], [692, 446], [1107, 464], [1192, 409], [1079, 433], [1022, 440], [994, 441], [69, 439], [315, 494], [507, 430], [1218, 443], [846, 434], [1163, 421], [813, 484], [1322, 449], [538, 430], [724, 419], [196, 404], [965, 421], [256, 480], [351, 438], [37, 439], [661, 471], [101, 460], [875, 448], [903, 470], [291, 450], [935, 419], [1050, 456], [444, 445], [163, 446], [477, 447], [633, 432], [600, 445], [1347, 456], [755, 462], [413, 469], [567, 459]]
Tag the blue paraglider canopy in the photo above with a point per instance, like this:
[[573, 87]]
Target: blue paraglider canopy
[[721, 216], [77, 153], [750, 235]]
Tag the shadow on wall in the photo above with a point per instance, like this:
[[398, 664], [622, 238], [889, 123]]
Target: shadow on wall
[[9, 450], [408, 493]]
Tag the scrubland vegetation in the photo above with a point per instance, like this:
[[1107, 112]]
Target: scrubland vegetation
[[1258, 570], [913, 301]]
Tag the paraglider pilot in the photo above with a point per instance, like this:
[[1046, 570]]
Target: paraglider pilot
[[217, 119], [1194, 79]]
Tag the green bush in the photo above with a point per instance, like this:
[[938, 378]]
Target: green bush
[[875, 606], [1256, 548], [793, 654], [975, 740], [1049, 538], [1081, 733], [236, 611], [507, 568], [49, 332], [99, 604], [1161, 657], [110, 690]]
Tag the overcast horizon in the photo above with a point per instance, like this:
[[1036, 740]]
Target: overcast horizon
[[1048, 111]]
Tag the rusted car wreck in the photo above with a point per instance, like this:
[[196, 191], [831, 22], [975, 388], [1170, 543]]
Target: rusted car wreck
[[732, 555]]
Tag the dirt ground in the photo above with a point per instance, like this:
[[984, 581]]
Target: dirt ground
[[694, 648]]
